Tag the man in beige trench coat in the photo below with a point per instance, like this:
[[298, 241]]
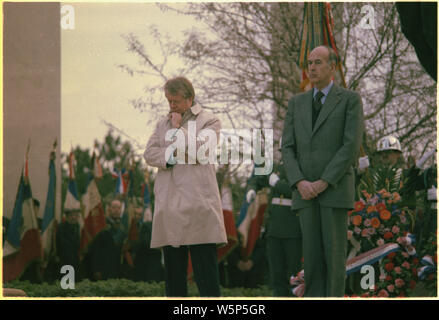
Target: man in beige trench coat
[[187, 211]]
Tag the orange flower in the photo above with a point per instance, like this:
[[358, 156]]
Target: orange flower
[[391, 255], [384, 193], [387, 195], [385, 214], [350, 212], [381, 206], [375, 222], [388, 235], [356, 220], [396, 197], [366, 194], [371, 209], [359, 206]]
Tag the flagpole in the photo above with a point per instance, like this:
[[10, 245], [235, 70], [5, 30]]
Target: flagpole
[[26, 162], [55, 222]]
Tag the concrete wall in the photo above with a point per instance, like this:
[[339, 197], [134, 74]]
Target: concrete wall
[[31, 97]]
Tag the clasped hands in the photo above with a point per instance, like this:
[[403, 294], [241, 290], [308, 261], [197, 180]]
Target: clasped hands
[[309, 190]]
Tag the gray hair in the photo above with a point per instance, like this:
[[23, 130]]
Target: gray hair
[[332, 55]]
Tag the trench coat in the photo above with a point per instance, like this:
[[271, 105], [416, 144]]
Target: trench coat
[[187, 208]]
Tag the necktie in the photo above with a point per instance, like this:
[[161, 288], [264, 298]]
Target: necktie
[[316, 106]]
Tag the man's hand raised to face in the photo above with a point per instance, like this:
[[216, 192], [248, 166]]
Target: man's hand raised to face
[[175, 118]]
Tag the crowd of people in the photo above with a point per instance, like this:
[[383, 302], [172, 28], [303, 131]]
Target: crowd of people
[[113, 254], [278, 251]]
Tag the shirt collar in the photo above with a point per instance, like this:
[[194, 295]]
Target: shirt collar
[[195, 109], [325, 90]]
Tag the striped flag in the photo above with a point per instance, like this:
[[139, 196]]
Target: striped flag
[[96, 166], [251, 223], [229, 223], [72, 197], [94, 215], [122, 180], [23, 240], [147, 210], [317, 30], [49, 224], [251, 217], [127, 179]]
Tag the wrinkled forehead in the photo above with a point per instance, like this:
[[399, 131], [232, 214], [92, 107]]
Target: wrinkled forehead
[[319, 53]]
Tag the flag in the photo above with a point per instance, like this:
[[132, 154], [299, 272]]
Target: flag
[[72, 197], [251, 223], [96, 166], [122, 180], [147, 210], [94, 215], [127, 180], [49, 224], [23, 240], [229, 223], [251, 217], [370, 257], [317, 30]]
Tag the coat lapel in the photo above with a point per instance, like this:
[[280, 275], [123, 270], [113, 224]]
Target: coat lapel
[[306, 112], [331, 102]]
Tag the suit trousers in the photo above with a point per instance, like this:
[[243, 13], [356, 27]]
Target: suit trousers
[[324, 235], [205, 267], [284, 258]]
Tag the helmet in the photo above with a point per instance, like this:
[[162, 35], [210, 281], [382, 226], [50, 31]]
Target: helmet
[[388, 143]]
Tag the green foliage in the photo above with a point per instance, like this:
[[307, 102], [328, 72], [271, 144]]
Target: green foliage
[[380, 177], [122, 288]]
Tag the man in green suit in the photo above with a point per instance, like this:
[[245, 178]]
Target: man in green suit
[[320, 144]]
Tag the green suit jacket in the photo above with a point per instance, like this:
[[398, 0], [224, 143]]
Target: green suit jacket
[[329, 150]]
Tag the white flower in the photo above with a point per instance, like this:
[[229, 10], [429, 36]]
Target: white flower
[[350, 233]]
